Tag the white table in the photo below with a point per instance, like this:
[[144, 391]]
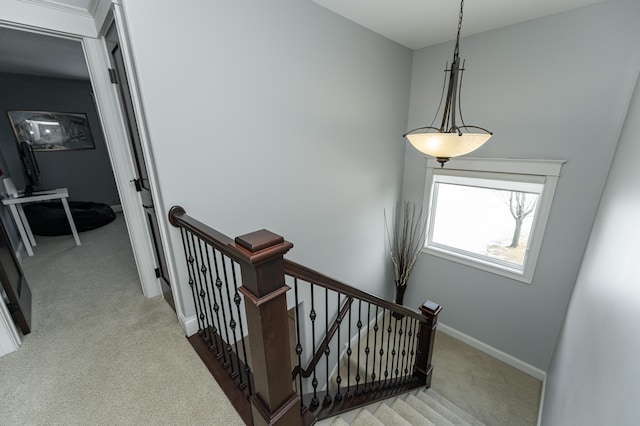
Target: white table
[[15, 205]]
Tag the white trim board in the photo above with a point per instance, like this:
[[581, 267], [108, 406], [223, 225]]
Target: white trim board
[[189, 325], [496, 353], [542, 392]]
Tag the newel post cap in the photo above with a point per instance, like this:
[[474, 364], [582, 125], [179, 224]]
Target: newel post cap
[[430, 308], [259, 246]]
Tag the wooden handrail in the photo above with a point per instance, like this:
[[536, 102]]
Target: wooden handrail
[[306, 372], [309, 275], [238, 249]]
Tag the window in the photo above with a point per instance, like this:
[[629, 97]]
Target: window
[[490, 213]]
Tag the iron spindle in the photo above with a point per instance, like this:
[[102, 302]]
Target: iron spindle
[[348, 394], [394, 351], [338, 395], [386, 365], [384, 315], [366, 349], [303, 408], [359, 325], [375, 346], [201, 293], [226, 356], [397, 337], [200, 309], [327, 350], [403, 370], [232, 321], [312, 315], [216, 306], [412, 352], [215, 325], [187, 258], [207, 303], [237, 300]]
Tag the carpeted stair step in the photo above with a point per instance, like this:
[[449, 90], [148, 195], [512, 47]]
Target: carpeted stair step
[[447, 409], [339, 422], [437, 418], [365, 418], [409, 414], [389, 417], [426, 408]]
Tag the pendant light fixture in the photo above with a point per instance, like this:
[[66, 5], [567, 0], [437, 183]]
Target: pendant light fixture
[[451, 139]]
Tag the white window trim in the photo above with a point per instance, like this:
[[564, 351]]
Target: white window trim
[[548, 169]]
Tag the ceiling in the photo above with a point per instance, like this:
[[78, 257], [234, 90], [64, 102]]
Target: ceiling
[[411, 23], [23, 52], [420, 23]]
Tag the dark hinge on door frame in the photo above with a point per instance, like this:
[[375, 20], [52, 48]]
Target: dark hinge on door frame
[[113, 76], [158, 274], [138, 184]]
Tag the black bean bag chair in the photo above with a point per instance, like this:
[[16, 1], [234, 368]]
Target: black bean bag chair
[[48, 218]]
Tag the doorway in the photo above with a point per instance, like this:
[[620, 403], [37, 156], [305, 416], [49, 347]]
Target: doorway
[[119, 158], [142, 182]]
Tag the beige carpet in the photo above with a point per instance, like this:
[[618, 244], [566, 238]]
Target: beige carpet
[[490, 390], [100, 353]]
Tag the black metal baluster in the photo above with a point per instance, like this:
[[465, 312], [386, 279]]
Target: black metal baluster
[[386, 366], [205, 290], [202, 293], [404, 369], [338, 396], [226, 347], [394, 351], [216, 306], [312, 315], [375, 346], [359, 325], [201, 308], [232, 321], [384, 315], [327, 349], [189, 259], [349, 352], [237, 300], [303, 408], [412, 352], [366, 349]]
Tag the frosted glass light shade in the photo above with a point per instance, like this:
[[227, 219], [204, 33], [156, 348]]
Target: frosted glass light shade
[[447, 145]]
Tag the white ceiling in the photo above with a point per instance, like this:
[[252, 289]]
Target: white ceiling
[[412, 23], [420, 23], [84, 7], [23, 52]]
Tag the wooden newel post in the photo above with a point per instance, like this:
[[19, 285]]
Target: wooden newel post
[[430, 311], [274, 401]]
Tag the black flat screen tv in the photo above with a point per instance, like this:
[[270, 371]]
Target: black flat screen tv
[[30, 165]]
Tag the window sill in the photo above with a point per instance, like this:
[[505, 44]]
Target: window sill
[[486, 266]]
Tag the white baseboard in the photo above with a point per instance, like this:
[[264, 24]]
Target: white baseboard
[[544, 388], [189, 325], [117, 208], [496, 353]]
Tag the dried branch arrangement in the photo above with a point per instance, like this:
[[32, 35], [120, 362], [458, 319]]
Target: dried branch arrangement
[[407, 239]]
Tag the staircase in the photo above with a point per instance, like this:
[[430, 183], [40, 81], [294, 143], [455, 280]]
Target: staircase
[[425, 407]]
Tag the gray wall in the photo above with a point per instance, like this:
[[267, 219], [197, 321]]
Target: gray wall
[[552, 88], [278, 115], [86, 173], [594, 377]]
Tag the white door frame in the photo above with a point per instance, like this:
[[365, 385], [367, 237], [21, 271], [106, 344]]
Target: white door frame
[[116, 136]]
